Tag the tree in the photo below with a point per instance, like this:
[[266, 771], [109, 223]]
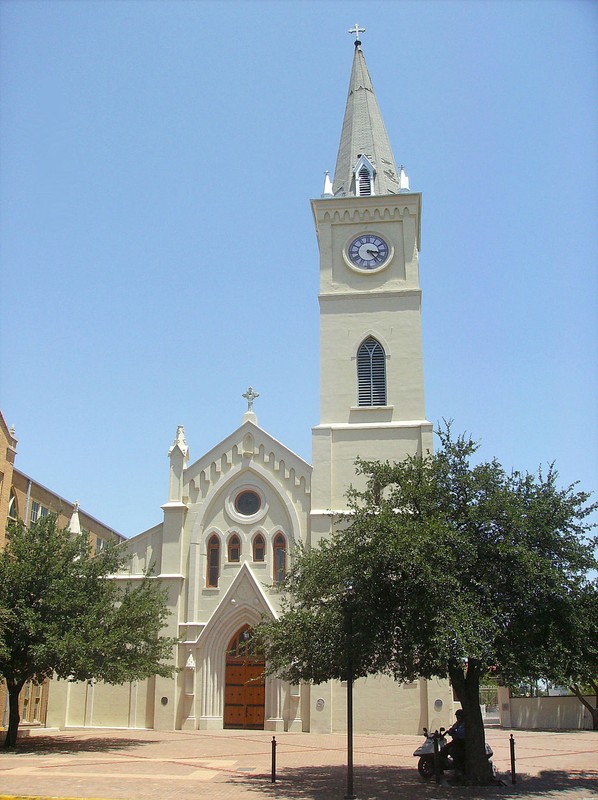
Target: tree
[[580, 673], [65, 617], [457, 568]]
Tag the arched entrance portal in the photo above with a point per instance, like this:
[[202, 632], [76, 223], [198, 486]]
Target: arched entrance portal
[[245, 693]]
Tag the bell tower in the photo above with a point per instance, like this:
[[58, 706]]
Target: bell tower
[[371, 365]]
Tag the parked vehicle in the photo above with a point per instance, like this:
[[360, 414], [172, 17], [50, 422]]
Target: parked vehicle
[[425, 752]]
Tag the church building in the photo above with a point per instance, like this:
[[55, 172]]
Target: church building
[[233, 517]]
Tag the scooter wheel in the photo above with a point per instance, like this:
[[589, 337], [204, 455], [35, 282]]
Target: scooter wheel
[[425, 767]]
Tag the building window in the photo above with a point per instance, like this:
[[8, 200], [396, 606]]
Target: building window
[[43, 511], [213, 561], [100, 545], [234, 549], [371, 373], [247, 503], [364, 182], [259, 548], [13, 509], [34, 512], [280, 558]]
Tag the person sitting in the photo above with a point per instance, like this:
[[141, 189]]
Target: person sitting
[[456, 748]]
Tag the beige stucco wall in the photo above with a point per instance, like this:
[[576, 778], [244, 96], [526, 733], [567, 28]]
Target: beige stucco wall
[[550, 713], [99, 705], [381, 705]]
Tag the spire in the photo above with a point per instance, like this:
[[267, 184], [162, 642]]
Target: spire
[[74, 525], [364, 157], [179, 443]]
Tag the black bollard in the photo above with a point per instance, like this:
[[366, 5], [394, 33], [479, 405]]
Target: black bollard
[[274, 759], [513, 775], [436, 758]]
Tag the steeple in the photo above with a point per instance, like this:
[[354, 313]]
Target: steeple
[[365, 164]]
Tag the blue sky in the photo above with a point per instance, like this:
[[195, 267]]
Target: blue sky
[[158, 250]]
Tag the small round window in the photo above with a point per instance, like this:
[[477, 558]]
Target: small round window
[[247, 503]]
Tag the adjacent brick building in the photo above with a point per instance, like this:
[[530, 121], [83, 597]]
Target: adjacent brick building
[[22, 497]]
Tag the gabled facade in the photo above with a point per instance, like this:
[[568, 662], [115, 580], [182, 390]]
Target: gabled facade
[[233, 517]]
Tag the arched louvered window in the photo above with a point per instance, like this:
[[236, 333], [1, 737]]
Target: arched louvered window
[[364, 182], [234, 549], [213, 561], [280, 558], [371, 373]]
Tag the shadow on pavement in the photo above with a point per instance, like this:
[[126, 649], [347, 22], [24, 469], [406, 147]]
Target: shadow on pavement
[[379, 783], [65, 744], [556, 781]]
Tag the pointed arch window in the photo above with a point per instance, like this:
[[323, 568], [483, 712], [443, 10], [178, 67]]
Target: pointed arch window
[[234, 549], [13, 509], [364, 182], [364, 172], [371, 373], [259, 548], [280, 558], [213, 561]]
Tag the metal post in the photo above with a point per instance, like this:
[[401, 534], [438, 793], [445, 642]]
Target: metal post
[[349, 597], [274, 759], [513, 775], [350, 795], [436, 758]]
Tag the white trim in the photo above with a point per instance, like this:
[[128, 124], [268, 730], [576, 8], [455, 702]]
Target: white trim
[[335, 426]]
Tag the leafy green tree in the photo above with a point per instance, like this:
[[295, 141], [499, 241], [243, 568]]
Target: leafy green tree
[[65, 617], [456, 567], [580, 672]]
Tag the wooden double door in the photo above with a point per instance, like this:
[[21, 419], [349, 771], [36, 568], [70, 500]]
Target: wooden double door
[[245, 691]]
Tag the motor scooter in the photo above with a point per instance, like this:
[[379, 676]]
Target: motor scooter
[[425, 765]]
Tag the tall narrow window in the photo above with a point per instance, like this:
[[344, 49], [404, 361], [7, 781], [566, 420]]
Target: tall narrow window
[[364, 182], [13, 511], [259, 548], [213, 561], [280, 558], [234, 548], [371, 373]]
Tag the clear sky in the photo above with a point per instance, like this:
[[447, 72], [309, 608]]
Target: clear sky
[[158, 249]]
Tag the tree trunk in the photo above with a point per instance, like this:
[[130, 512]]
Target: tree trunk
[[14, 690], [593, 711], [466, 680]]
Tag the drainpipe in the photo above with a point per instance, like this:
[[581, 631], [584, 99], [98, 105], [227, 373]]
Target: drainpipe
[[27, 501]]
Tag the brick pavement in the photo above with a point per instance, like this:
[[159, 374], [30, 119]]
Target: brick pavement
[[236, 765]]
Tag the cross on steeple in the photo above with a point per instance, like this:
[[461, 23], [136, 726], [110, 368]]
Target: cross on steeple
[[356, 31], [250, 396]]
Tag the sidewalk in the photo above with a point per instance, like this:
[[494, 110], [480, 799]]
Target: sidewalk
[[236, 765]]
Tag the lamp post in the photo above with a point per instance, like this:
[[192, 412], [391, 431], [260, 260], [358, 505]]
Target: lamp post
[[348, 597]]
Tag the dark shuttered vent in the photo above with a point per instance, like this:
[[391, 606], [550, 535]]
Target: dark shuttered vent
[[371, 373], [365, 182]]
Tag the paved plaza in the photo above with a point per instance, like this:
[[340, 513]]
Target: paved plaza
[[236, 765]]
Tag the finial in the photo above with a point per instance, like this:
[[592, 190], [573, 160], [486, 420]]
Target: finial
[[179, 441], [356, 31], [403, 180], [250, 396], [327, 186]]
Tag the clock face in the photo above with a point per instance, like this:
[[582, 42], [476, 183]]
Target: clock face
[[368, 251]]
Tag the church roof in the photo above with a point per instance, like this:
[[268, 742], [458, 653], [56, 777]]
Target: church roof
[[364, 134]]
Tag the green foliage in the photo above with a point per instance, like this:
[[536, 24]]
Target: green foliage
[[450, 561], [456, 567], [64, 616]]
